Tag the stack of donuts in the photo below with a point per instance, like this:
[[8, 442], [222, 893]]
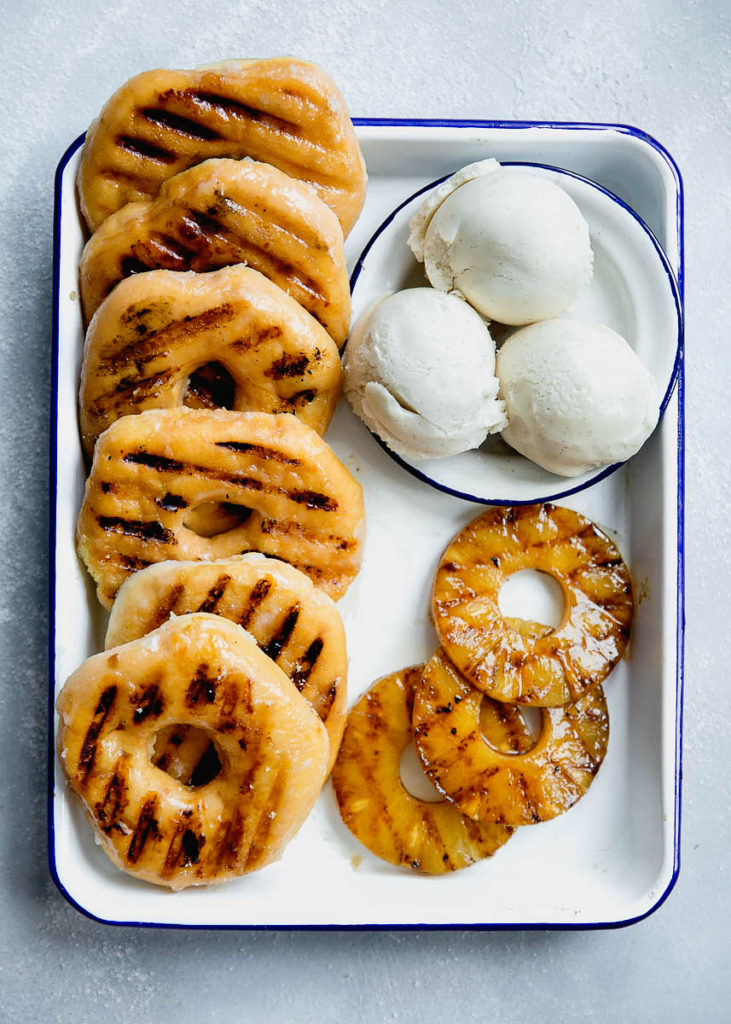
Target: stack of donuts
[[215, 296], [464, 708]]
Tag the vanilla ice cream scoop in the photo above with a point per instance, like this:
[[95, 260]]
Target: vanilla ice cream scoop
[[576, 396], [511, 242], [419, 370]]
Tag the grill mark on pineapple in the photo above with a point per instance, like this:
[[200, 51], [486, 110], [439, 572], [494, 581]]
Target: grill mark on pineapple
[[101, 713]]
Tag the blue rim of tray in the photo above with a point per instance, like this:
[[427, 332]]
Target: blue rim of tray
[[680, 574], [605, 471]]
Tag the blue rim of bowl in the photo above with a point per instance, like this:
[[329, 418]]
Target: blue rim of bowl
[[605, 471], [497, 926]]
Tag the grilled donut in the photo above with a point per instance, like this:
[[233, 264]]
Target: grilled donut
[[203, 671], [222, 212], [281, 111], [283, 488], [433, 838], [292, 621], [150, 337], [546, 668], [520, 786]]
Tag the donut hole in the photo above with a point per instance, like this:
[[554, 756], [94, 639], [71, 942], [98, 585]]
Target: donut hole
[[187, 754], [505, 732], [533, 597], [214, 517], [211, 386], [414, 779]]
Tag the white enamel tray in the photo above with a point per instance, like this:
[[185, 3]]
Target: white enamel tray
[[611, 859]]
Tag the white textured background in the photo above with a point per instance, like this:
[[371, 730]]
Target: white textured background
[[662, 65]]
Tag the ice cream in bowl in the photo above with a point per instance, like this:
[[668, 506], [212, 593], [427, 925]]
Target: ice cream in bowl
[[516, 333]]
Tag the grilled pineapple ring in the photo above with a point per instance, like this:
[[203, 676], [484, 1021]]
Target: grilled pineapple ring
[[204, 671], [430, 837], [515, 665], [451, 720]]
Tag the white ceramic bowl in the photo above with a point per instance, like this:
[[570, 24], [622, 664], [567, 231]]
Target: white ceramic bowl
[[633, 291]]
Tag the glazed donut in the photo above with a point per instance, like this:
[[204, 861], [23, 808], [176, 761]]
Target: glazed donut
[[203, 671], [148, 340], [150, 472], [451, 720], [221, 212], [546, 669], [433, 838], [285, 112], [292, 621]]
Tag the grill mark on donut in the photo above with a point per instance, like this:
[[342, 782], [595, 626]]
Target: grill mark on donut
[[179, 124], [257, 338], [215, 594], [171, 502], [229, 843], [229, 697], [129, 265], [148, 702], [146, 826], [260, 450], [149, 150], [202, 688], [225, 106], [142, 529], [166, 336], [167, 247], [115, 800], [288, 366], [276, 644], [266, 820], [326, 701], [300, 398], [133, 563], [139, 388], [302, 670], [101, 713], [160, 463], [257, 595], [312, 500]]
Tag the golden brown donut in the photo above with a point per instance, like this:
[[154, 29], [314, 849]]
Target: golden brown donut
[[203, 671], [288, 495], [152, 335], [281, 111], [433, 838], [222, 212], [295, 623], [517, 786], [549, 668]]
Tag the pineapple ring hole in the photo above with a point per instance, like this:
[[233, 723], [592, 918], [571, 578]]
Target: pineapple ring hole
[[415, 780], [187, 754], [534, 596], [532, 720]]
